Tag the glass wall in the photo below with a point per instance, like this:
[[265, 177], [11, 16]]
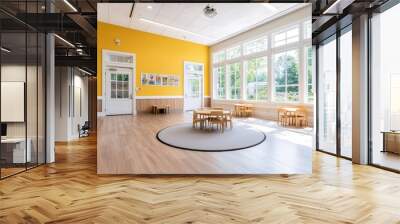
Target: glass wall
[[385, 89], [22, 88], [327, 96], [346, 92]]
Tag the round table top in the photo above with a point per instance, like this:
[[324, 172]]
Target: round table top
[[206, 112]]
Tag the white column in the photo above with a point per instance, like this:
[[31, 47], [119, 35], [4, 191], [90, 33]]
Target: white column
[[360, 90], [50, 99]]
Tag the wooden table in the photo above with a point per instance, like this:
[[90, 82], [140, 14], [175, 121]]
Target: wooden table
[[391, 141], [207, 112], [242, 109], [292, 114], [156, 109]]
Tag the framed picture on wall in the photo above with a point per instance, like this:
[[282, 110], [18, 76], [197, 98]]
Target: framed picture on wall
[[164, 80], [145, 81], [152, 79], [158, 80]]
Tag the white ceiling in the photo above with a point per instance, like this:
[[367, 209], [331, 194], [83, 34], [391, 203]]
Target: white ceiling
[[187, 21]]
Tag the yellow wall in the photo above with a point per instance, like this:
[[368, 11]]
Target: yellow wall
[[154, 54]]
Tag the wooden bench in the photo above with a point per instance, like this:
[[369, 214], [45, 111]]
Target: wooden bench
[[156, 109]]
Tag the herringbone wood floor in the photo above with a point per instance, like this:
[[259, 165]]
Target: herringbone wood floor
[[69, 191]]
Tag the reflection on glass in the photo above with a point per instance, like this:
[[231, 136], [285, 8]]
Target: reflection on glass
[[15, 149], [31, 101], [346, 94], [386, 89], [327, 97]]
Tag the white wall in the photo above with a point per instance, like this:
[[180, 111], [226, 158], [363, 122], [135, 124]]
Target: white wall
[[70, 81], [268, 109]]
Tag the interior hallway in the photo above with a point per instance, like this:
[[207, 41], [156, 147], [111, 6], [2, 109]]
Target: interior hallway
[[69, 191]]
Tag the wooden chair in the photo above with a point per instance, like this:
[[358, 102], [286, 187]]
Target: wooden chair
[[217, 117], [228, 119], [198, 119], [301, 118], [283, 117]]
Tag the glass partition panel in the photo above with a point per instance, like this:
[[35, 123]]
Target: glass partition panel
[[31, 98], [14, 145], [385, 89], [346, 94], [327, 96], [41, 98]]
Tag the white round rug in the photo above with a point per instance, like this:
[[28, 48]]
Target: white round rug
[[183, 136]]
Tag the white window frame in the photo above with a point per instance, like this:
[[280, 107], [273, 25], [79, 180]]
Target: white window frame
[[269, 52], [245, 79]]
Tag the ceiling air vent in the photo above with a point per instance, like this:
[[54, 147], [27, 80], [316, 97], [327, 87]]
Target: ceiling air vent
[[210, 11]]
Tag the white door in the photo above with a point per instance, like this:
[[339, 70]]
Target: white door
[[119, 91], [193, 75]]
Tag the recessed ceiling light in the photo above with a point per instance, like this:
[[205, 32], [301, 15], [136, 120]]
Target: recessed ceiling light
[[149, 7]]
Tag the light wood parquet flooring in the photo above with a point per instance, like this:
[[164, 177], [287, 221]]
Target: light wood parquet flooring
[[128, 145], [69, 191]]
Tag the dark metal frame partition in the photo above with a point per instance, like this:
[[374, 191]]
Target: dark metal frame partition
[[44, 80], [339, 32]]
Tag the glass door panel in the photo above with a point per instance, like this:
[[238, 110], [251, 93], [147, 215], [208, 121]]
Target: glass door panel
[[327, 97]]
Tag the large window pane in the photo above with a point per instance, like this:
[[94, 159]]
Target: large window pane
[[327, 97], [286, 37], [286, 76], [255, 71], [220, 78], [233, 71], [309, 93], [385, 85], [219, 57], [255, 46], [346, 94], [233, 52]]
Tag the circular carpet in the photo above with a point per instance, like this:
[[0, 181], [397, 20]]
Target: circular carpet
[[183, 136]]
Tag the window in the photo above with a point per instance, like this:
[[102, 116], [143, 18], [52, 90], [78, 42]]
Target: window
[[233, 52], [256, 78], [286, 37], [233, 71], [286, 74], [307, 29], [309, 76], [219, 74], [219, 57], [255, 46]]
